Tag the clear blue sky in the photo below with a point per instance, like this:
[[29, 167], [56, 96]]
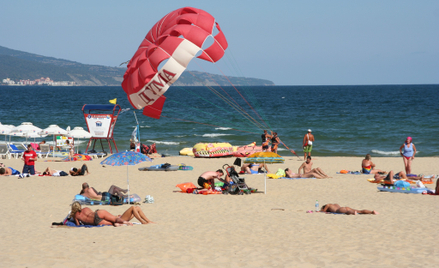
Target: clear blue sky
[[290, 42]]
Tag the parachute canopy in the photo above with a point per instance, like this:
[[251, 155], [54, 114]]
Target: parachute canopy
[[176, 39]]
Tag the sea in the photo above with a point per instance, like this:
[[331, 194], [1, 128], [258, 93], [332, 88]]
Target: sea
[[345, 120]]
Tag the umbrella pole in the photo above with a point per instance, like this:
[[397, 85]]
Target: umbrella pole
[[265, 180], [128, 183]]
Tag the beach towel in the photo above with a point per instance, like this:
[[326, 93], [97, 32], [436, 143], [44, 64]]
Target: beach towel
[[351, 172], [313, 178]]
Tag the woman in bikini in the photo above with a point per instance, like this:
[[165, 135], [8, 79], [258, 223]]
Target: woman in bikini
[[103, 217], [368, 167], [408, 155]]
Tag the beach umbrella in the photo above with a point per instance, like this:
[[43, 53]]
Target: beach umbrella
[[26, 129], [264, 157], [79, 133], [127, 158], [5, 130], [53, 130]]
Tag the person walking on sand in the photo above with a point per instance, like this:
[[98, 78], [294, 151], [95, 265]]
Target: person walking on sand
[[306, 169], [29, 157], [335, 208], [408, 155], [308, 140]]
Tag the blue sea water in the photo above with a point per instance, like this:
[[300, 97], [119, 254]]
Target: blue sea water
[[345, 120]]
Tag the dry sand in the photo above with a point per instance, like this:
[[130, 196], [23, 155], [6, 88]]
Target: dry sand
[[222, 230]]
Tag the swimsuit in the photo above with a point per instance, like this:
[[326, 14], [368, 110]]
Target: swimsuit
[[14, 171], [408, 151], [367, 170], [201, 181], [254, 171], [97, 220]]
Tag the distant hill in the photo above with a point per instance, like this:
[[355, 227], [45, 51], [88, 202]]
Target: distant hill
[[18, 65]]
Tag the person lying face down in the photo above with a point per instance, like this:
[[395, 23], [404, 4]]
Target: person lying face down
[[345, 210], [103, 217]]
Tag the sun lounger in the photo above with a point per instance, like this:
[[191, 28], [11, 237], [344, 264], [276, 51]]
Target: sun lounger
[[14, 151], [44, 150], [4, 151]]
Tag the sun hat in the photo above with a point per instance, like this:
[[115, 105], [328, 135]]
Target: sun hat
[[309, 130], [409, 138]]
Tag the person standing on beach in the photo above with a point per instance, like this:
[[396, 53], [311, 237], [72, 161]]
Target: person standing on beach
[[408, 155], [265, 140], [71, 150], [308, 140], [274, 142], [29, 157]]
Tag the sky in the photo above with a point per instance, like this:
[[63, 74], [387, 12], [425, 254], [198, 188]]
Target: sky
[[290, 42]]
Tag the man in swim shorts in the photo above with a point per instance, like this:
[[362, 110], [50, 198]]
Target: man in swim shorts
[[345, 210], [308, 140], [207, 179]]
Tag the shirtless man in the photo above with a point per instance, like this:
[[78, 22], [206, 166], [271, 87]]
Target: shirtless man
[[103, 217], [207, 179], [345, 210], [308, 140], [253, 168], [306, 168], [290, 174], [7, 171], [91, 192]]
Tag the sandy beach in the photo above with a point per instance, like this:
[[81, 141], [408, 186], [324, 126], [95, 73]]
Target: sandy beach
[[269, 229]]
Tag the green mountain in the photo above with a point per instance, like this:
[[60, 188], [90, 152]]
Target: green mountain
[[18, 65]]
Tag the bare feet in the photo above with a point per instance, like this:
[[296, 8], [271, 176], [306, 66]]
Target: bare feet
[[374, 212]]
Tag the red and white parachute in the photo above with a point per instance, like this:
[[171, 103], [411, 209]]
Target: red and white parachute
[[177, 38]]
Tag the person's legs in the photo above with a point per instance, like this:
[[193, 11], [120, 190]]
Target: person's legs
[[346, 210], [365, 211], [138, 213], [405, 163], [108, 218], [84, 169], [32, 170], [115, 190], [408, 169]]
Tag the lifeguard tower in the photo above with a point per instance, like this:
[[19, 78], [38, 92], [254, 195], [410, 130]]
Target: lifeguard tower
[[101, 119]]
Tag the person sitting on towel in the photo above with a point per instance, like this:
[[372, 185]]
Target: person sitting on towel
[[306, 169], [290, 174], [345, 210], [103, 217], [253, 168], [91, 192], [368, 167]]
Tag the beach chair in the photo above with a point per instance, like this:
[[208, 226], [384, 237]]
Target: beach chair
[[14, 151], [239, 186], [4, 151], [44, 151]]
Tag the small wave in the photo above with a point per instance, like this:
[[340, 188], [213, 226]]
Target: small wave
[[385, 153], [211, 135], [223, 128], [144, 126], [164, 142]]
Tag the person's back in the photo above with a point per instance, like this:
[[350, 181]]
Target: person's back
[[86, 216]]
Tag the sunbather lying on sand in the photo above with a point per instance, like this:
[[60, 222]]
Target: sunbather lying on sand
[[103, 217], [91, 192], [345, 210], [7, 171], [79, 172], [253, 168], [391, 177]]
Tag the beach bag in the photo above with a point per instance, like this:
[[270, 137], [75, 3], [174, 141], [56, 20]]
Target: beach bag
[[237, 162], [280, 172], [106, 197], [116, 200], [309, 143]]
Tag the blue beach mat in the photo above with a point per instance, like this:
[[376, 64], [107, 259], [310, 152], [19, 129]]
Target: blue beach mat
[[71, 224], [406, 190]]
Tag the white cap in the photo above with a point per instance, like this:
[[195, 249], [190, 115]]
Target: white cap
[[309, 130]]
